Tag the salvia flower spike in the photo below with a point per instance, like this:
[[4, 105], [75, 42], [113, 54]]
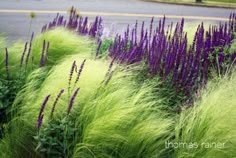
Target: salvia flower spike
[[80, 71], [42, 54], [7, 63], [56, 101], [40, 116], [72, 99], [23, 54], [40, 121], [73, 67], [46, 53], [167, 54]]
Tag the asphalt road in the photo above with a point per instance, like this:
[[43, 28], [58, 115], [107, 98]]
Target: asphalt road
[[15, 19]]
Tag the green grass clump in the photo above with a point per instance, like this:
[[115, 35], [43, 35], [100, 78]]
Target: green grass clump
[[14, 55], [122, 121], [211, 121], [113, 119], [62, 42]]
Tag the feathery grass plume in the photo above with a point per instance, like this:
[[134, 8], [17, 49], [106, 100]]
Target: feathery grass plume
[[39, 83], [112, 126], [109, 125], [72, 99], [55, 102], [60, 46], [67, 43], [211, 123]]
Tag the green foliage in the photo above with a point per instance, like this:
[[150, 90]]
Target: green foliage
[[171, 98], [14, 53], [212, 120], [56, 138], [62, 43], [233, 46], [115, 119], [122, 122], [8, 91], [105, 46], [125, 117]]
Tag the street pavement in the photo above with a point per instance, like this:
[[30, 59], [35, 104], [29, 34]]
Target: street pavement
[[15, 18]]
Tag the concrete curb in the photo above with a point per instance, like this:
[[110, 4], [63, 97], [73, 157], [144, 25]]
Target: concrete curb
[[193, 4]]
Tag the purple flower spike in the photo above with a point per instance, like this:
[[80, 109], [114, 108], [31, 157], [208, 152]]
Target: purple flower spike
[[28, 54], [73, 67], [72, 99], [40, 121], [46, 53], [23, 54], [99, 47], [55, 102], [40, 116], [80, 71], [42, 62], [6, 63], [32, 37]]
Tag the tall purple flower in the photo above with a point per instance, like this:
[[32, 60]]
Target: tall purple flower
[[40, 116], [28, 54], [7, 63], [40, 121], [23, 54], [29, 50], [80, 71], [77, 23], [72, 99], [42, 62], [99, 47], [73, 67], [55, 102], [46, 53]]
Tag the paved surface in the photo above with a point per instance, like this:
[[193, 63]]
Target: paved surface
[[15, 20]]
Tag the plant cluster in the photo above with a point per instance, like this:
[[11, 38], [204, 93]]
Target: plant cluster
[[167, 53], [78, 24], [113, 107]]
